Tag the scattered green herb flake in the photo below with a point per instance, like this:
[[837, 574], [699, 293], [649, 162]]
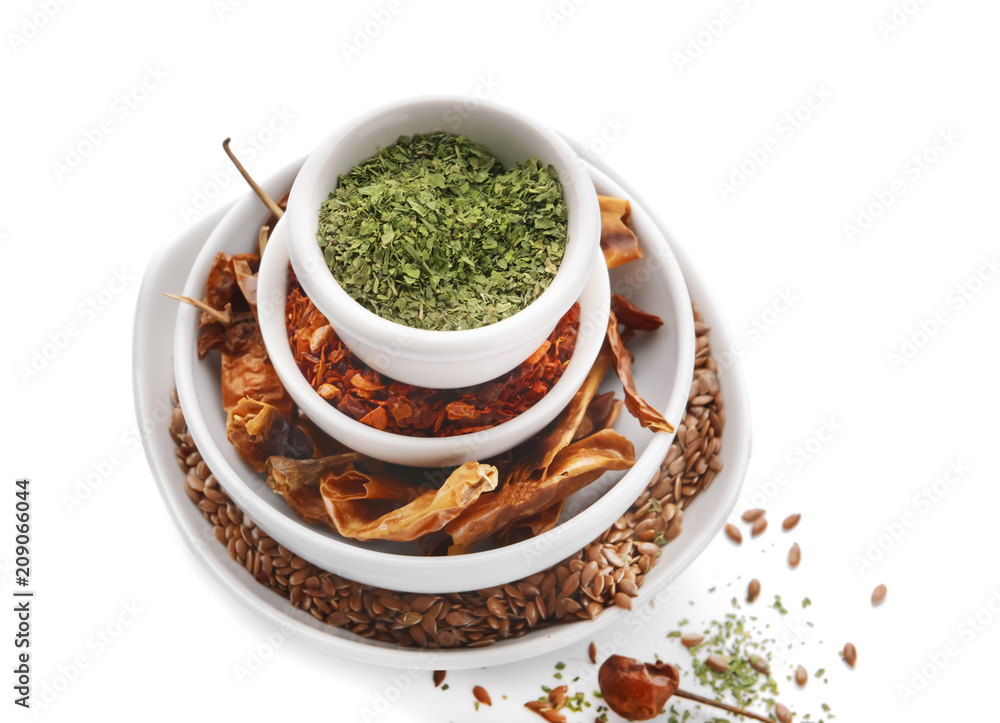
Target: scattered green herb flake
[[576, 702], [821, 672], [445, 686], [779, 606], [557, 676], [806, 602], [743, 683], [560, 666], [434, 233], [674, 634]]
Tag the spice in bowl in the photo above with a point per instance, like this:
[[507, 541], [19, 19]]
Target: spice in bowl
[[364, 394], [433, 233]]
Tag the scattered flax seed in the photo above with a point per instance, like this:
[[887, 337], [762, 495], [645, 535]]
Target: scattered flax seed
[[482, 696], [717, 663], [732, 662], [592, 652], [782, 713], [795, 555], [691, 639], [439, 677], [850, 654], [733, 533], [878, 594], [545, 711], [558, 696], [759, 664], [758, 527], [753, 590], [753, 515], [790, 522], [801, 676]]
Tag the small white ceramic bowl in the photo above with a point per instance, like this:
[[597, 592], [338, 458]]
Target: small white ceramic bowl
[[272, 292], [442, 359]]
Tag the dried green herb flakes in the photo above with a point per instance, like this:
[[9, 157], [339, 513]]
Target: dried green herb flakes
[[433, 233]]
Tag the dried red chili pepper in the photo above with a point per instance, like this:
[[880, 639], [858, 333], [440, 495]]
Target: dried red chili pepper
[[634, 690]]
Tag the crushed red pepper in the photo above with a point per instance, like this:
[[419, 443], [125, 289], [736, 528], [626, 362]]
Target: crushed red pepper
[[362, 393]]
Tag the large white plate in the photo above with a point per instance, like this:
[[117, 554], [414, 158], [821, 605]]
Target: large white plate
[[153, 380]]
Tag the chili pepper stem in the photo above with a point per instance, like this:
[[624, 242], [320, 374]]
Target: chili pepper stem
[[223, 317], [261, 193], [723, 706]]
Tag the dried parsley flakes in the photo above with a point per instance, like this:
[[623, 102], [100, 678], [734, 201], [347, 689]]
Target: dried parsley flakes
[[747, 659], [433, 233]]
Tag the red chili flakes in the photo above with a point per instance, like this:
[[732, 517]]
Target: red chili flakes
[[362, 393]]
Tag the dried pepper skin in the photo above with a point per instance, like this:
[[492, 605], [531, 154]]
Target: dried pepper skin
[[365, 395], [638, 407], [365, 499], [222, 292], [618, 241], [632, 317], [246, 367], [550, 467], [259, 431]]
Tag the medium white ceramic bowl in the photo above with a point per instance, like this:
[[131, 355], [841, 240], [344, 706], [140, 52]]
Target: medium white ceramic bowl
[[272, 291], [442, 359], [665, 361]]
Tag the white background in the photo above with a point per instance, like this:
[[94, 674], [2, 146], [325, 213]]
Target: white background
[[679, 108]]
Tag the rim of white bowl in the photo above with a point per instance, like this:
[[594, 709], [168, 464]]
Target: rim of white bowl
[[273, 283], [475, 570], [422, 344]]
